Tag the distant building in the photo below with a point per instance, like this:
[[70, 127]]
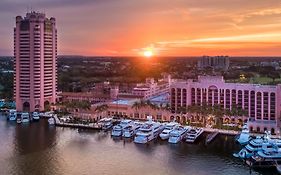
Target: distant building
[[35, 52], [152, 88], [102, 92], [84, 96], [214, 62], [262, 103]]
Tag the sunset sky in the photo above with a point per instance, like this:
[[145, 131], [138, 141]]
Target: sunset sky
[[168, 27]]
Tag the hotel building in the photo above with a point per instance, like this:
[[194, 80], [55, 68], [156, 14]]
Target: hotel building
[[152, 88], [35, 54], [261, 102]]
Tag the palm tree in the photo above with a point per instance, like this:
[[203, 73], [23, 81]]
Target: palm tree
[[136, 105], [167, 107], [101, 108]]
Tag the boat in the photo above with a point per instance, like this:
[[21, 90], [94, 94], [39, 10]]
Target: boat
[[106, 123], [244, 137], [268, 156], [116, 131], [131, 129], [35, 116], [177, 134], [19, 120], [51, 121], [148, 131], [254, 146], [193, 134], [164, 135], [46, 114], [12, 115], [25, 117]]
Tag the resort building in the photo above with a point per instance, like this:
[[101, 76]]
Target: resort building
[[152, 88], [216, 62], [102, 92], [84, 96], [261, 103], [35, 52]]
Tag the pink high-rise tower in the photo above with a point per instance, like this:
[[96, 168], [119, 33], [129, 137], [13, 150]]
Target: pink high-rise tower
[[35, 52]]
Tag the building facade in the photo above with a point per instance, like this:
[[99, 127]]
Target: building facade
[[216, 62], [152, 88], [261, 102], [35, 55]]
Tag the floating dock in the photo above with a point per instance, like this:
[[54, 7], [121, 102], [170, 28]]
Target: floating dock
[[210, 137]]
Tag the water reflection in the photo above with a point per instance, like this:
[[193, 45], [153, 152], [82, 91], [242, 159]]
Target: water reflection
[[39, 149], [34, 148]]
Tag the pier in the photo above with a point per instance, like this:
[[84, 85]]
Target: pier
[[221, 131], [211, 137]]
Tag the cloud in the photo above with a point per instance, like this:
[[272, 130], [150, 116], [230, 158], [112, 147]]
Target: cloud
[[113, 27]]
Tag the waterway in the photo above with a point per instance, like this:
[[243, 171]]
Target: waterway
[[37, 149]]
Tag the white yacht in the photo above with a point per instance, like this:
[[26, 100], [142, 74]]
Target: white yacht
[[19, 120], [256, 145], [131, 129], [244, 137], [168, 128], [148, 131], [25, 117], [12, 115], [193, 134], [177, 134], [268, 156], [47, 114], [51, 121], [126, 122], [106, 123], [117, 130], [35, 116]]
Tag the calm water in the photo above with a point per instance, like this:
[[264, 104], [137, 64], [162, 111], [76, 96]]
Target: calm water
[[39, 149]]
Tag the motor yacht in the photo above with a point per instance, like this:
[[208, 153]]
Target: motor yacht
[[148, 131], [106, 123], [117, 130], [164, 135], [268, 156], [47, 114], [19, 120], [35, 116], [244, 137], [25, 117], [12, 115], [177, 134], [253, 146], [193, 134], [51, 121], [131, 129]]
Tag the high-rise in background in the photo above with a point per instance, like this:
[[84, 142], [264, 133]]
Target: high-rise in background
[[35, 54]]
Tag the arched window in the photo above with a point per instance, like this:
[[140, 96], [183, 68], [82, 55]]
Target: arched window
[[26, 106]]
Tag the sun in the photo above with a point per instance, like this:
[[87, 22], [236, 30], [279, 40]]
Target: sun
[[148, 53]]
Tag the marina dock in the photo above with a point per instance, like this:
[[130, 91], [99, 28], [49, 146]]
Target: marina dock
[[210, 137], [221, 131]]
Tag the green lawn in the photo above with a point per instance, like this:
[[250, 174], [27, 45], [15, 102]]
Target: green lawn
[[257, 80]]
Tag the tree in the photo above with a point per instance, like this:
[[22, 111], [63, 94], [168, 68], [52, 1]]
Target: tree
[[101, 108], [274, 75]]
